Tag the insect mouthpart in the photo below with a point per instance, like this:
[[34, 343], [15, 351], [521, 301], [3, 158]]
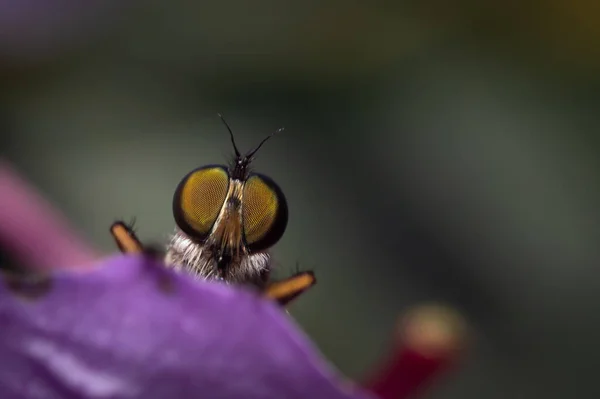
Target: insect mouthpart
[[223, 263]]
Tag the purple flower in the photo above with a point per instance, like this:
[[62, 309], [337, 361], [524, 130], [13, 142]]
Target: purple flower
[[129, 328]]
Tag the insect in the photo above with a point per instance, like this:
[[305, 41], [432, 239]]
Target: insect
[[227, 217]]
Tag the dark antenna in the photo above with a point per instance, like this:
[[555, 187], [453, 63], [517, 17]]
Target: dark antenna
[[237, 153], [250, 153]]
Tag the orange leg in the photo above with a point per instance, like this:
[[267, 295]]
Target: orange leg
[[285, 291], [125, 238]]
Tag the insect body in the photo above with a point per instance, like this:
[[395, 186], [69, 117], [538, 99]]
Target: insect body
[[227, 219]]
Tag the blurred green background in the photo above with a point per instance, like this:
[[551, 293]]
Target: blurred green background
[[432, 151]]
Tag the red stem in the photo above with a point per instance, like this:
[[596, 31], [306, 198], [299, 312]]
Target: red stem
[[430, 342], [406, 373]]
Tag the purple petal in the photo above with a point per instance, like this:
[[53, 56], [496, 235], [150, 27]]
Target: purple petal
[[133, 329]]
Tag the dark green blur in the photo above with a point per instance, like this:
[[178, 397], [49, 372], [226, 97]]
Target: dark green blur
[[431, 152]]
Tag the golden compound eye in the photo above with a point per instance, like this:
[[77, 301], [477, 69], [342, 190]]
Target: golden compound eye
[[199, 199], [264, 212]]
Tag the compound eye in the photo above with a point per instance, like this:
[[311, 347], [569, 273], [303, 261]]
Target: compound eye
[[264, 212], [199, 199]]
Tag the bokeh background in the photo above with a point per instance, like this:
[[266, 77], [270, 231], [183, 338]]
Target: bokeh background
[[433, 151]]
